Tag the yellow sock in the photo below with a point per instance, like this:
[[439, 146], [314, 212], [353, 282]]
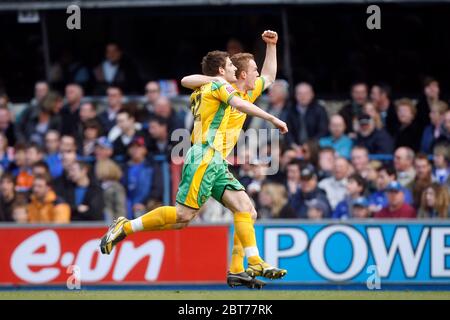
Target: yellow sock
[[237, 256], [243, 226], [153, 220]]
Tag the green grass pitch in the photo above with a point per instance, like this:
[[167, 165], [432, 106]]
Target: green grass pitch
[[222, 295]]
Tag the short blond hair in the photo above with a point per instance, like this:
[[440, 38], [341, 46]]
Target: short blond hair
[[107, 170], [440, 106], [406, 102], [240, 61]]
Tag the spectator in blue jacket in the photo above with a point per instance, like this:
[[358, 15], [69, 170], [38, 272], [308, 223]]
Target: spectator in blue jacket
[[377, 141], [138, 178], [308, 192], [337, 139], [54, 157], [356, 186]]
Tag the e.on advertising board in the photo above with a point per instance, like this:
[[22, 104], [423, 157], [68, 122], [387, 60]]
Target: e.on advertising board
[[40, 255]]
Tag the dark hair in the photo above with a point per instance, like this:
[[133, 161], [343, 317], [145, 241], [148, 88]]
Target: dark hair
[[70, 136], [160, 120], [390, 170], [114, 87], [296, 162], [359, 180], [46, 177], [385, 88], [327, 149], [422, 156], [114, 43], [129, 109], [357, 83], [429, 80], [213, 61], [21, 200], [313, 146], [34, 145], [94, 124], [41, 163], [8, 176], [20, 146]]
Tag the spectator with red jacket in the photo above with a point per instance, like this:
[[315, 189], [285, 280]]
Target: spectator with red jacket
[[397, 207]]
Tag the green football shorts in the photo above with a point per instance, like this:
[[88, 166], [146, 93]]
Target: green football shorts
[[205, 173]]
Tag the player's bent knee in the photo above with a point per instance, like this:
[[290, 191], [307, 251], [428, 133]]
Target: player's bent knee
[[184, 216]]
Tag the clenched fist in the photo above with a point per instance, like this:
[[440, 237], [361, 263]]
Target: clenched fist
[[270, 37]]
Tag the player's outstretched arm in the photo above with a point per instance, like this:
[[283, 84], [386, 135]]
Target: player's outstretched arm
[[253, 110], [197, 80], [269, 70]]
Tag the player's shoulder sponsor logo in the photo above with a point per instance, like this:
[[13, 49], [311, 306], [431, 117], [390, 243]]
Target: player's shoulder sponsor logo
[[230, 88]]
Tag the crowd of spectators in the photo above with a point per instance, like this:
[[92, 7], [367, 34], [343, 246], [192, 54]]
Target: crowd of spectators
[[65, 158]]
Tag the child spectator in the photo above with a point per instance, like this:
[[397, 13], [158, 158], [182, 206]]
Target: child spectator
[[356, 186], [22, 172], [317, 209], [360, 208], [19, 210], [40, 168]]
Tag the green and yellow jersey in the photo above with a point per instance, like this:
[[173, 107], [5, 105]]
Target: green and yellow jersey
[[211, 111], [237, 118], [216, 130]]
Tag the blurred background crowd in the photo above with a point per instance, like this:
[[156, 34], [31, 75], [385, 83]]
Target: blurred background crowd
[[68, 157], [92, 141]]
